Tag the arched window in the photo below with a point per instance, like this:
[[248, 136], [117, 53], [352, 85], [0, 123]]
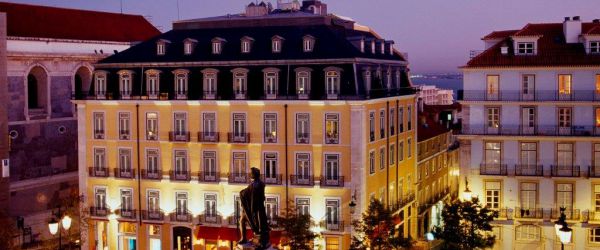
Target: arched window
[[100, 84], [239, 83], [125, 82], [83, 79], [37, 90], [209, 83], [271, 80], [152, 83], [181, 84], [332, 82], [303, 82]]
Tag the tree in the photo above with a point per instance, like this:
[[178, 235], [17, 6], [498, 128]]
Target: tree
[[8, 232], [466, 225], [376, 230], [296, 228]]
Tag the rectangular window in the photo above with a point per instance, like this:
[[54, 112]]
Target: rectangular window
[[528, 120], [124, 125], [596, 198], [409, 145], [272, 208], [493, 153], [276, 46], [126, 200], [209, 127], [239, 85], [100, 198], [493, 117], [332, 216], [152, 87], [181, 167], [239, 164], [99, 159], [181, 85], [492, 85], [332, 84], [332, 128], [152, 162], [564, 197], [596, 155], [594, 235], [153, 200], [392, 121], [152, 126], [271, 85], [564, 85], [181, 206], [528, 157], [528, 233], [332, 168], [245, 46], [528, 196], [303, 166], [239, 126], [492, 194], [564, 154], [400, 120], [216, 48], [160, 49], [409, 117], [210, 207], [525, 48], [125, 85], [303, 128], [210, 85], [98, 125], [372, 126], [125, 162], [528, 87], [597, 120], [372, 162], [303, 84], [270, 127], [270, 167], [595, 47], [308, 44], [180, 123], [401, 151], [100, 89], [564, 118], [303, 206], [392, 154], [187, 48], [382, 124], [382, 158], [210, 165]]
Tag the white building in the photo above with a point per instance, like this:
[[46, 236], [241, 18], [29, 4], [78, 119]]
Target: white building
[[432, 95], [530, 142]]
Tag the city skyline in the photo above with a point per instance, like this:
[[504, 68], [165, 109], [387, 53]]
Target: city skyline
[[417, 24]]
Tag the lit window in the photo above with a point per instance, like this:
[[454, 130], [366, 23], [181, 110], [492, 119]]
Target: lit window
[[564, 84], [331, 128], [492, 194], [492, 84], [595, 47], [303, 84], [152, 126], [493, 117], [595, 235], [309, 43], [597, 86], [525, 48], [493, 153]]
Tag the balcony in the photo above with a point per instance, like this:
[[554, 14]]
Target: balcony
[[332, 139], [98, 171], [594, 171], [371, 136], [208, 218], [180, 216], [333, 226], [332, 181], [273, 179], [529, 170], [99, 134], [181, 95], [124, 173], [404, 200], [208, 137], [99, 211], [238, 178], [517, 130], [152, 95], [210, 95], [152, 174], [504, 214], [240, 94], [209, 177], [492, 169], [565, 171], [302, 138], [153, 215], [238, 137], [529, 213], [270, 137], [233, 220], [535, 96], [572, 214], [302, 180], [180, 175], [179, 136], [124, 134], [152, 135], [592, 217], [128, 214]]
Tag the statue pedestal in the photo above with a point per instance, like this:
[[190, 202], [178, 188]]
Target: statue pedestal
[[250, 246]]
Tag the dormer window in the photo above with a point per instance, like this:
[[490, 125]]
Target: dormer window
[[309, 43], [181, 83], [271, 82], [303, 82], [152, 83], [161, 47], [239, 83], [100, 84], [217, 45], [382, 44], [372, 47], [125, 84], [332, 82], [210, 83], [246, 44], [525, 48], [276, 43], [595, 47], [388, 78], [188, 46]]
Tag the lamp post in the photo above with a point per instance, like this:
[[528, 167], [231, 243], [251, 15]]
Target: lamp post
[[562, 230], [54, 225], [467, 194]]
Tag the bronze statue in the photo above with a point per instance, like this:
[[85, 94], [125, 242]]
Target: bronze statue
[[253, 212]]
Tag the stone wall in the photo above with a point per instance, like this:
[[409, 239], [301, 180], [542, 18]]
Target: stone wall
[[16, 97], [60, 96]]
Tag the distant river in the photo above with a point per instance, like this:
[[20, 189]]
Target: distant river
[[443, 83]]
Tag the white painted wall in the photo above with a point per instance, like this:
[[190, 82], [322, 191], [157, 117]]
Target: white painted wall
[[63, 46]]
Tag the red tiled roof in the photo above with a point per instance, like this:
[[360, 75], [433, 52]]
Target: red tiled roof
[[552, 49], [25, 20], [501, 34], [591, 29]]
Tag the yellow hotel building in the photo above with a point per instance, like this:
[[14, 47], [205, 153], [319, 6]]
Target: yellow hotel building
[[168, 132]]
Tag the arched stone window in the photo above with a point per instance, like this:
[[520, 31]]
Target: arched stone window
[[83, 80], [37, 91]]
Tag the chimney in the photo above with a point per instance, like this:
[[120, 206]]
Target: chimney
[[596, 21], [572, 29]]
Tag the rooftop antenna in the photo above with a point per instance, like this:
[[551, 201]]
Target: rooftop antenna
[[121, 6], [178, 18]]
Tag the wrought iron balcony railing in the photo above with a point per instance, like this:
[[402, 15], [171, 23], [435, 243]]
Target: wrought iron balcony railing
[[302, 180]]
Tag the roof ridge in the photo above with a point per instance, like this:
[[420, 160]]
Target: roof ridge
[[69, 9]]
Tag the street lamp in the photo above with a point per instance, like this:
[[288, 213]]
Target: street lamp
[[467, 194], [563, 232], [54, 225]]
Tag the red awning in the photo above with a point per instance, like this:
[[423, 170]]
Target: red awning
[[230, 234]]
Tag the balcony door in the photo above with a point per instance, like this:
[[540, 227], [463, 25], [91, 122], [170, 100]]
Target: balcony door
[[564, 121], [332, 214], [332, 169], [528, 88], [528, 118], [528, 199], [303, 168], [492, 87], [239, 126]]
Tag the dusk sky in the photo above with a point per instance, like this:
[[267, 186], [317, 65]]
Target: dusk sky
[[436, 34]]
